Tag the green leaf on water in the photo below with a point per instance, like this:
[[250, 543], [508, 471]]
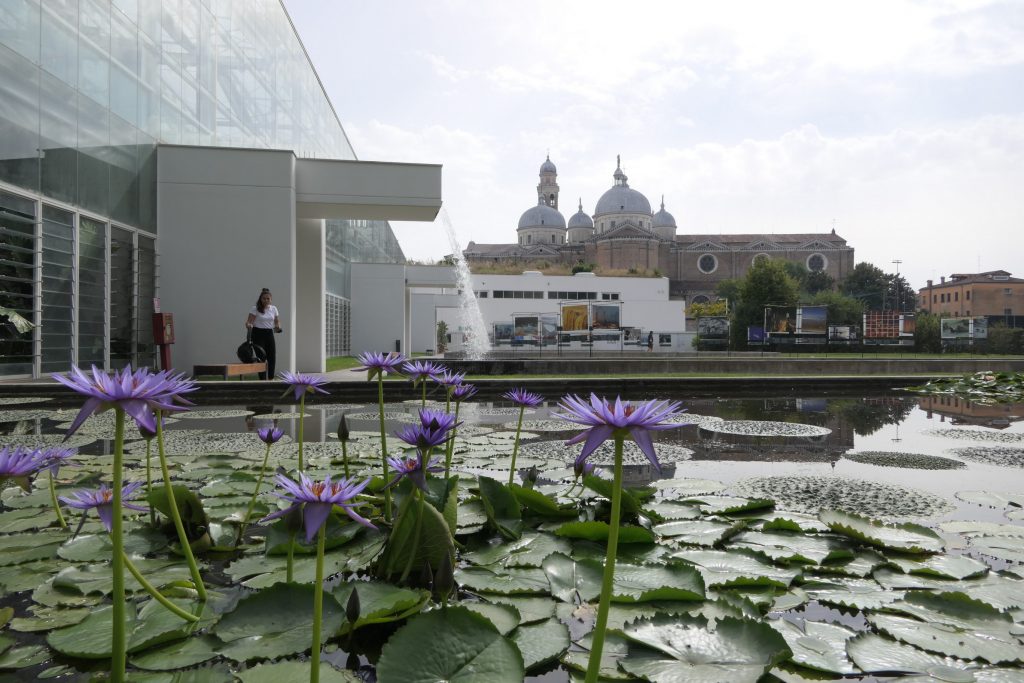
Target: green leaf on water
[[451, 645], [908, 538], [598, 531], [380, 602], [541, 643], [282, 672], [274, 622], [502, 507]]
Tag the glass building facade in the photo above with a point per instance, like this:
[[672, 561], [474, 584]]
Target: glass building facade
[[89, 89]]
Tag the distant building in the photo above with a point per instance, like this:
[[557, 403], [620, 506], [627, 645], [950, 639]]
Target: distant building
[[992, 293], [625, 234]]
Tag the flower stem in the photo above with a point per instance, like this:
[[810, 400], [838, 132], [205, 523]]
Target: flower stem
[[450, 446], [344, 456], [318, 604], [383, 447], [186, 547], [118, 637], [56, 504], [149, 482], [302, 413], [594, 665], [423, 400], [255, 493], [515, 446], [291, 559], [157, 595], [416, 533]]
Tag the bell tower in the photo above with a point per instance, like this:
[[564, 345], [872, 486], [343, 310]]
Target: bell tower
[[547, 188]]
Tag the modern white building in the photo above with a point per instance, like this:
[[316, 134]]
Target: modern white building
[[536, 310], [186, 153]]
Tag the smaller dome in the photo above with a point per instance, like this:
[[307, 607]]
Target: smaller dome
[[581, 219], [663, 219], [541, 216], [548, 167]]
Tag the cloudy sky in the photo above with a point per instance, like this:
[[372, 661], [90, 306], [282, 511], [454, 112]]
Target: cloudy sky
[[901, 123]]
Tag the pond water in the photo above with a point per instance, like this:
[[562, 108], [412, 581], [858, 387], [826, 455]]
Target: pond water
[[894, 456]]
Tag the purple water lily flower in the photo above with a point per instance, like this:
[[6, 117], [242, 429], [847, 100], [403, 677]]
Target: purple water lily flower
[[54, 457], [317, 498], [584, 469], [422, 437], [415, 469], [138, 393], [420, 371], [269, 435], [379, 363], [449, 378], [606, 420], [436, 419], [463, 391], [523, 398], [103, 500], [302, 383], [18, 461]]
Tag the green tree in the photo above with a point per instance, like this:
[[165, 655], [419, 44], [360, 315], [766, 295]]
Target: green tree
[[819, 281], [867, 283], [767, 282], [711, 308], [927, 337], [729, 290], [842, 309]]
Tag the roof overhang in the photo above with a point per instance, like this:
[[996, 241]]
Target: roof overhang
[[367, 190]]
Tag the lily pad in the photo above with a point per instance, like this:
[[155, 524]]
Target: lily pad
[[819, 646], [380, 602], [275, 622], [685, 649], [451, 645], [909, 538], [278, 672], [874, 653], [541, 643]]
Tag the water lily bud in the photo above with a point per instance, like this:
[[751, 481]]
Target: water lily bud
[[342, 428], [444, 579], [530, 478], [352, 608]]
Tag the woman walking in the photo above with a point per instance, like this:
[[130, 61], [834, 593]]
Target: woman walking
[[263, 320]]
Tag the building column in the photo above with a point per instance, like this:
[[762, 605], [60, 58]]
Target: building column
[[407, 321], [310, 329]]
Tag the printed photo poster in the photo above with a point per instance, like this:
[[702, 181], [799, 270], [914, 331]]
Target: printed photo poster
[[503, 332], [842, 333], [755, 334], [549, 328], [881, 325], [631, 335], [527, 327], [955, 328], [713, 327], [575, 318], [812, 320], [981, 328], [780, 320], [606, 316], [907, 325]]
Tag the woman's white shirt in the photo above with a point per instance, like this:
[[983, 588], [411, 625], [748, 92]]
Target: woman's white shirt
[[264, 320]]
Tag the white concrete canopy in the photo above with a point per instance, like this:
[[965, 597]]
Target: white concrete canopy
[[231, 221]]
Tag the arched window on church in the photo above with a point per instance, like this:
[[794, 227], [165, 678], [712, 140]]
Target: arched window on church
[[552, 239], [529, 239]]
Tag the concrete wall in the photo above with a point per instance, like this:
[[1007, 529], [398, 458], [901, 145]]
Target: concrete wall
[[427, 309], [226, 229], [378, 315]]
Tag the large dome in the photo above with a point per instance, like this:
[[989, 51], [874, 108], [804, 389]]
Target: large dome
[[621, 198], [541, 216], [581, 219]]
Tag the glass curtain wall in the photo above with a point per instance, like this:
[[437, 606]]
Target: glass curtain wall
[[56, 329], [17, 283], [92, 292]]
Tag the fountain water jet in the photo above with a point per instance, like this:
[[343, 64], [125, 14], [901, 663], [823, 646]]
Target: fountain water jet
[[470, 318]]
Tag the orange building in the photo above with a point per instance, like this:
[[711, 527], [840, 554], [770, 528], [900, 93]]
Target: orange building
[[990, 293]]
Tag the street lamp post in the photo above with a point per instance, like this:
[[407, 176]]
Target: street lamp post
[[899, 294]]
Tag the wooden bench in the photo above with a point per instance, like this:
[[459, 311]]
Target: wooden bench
[[227, 370]]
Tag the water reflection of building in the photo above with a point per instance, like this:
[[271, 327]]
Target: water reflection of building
[[963, 412]]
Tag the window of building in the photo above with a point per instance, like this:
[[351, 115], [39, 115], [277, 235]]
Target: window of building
[[529, 239], [758, 258], [956, 296], [552, 239], [701, 299], [609, 296], [707, 263], [613, 224], [934, 298], [481, 295], [816, 263], [968, 295], [1007, 311], [1007, 291]]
